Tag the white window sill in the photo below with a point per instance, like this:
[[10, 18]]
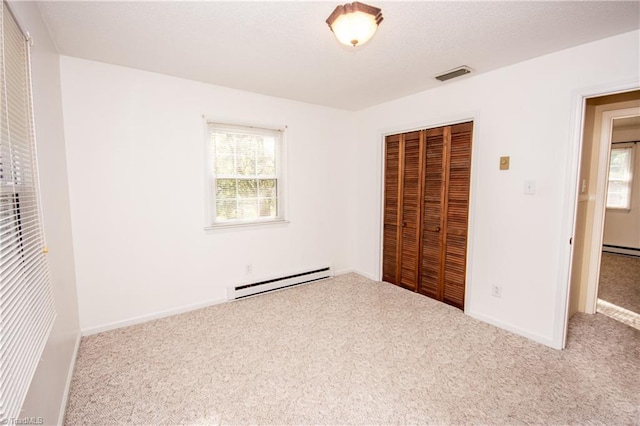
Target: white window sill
[[245, 225]]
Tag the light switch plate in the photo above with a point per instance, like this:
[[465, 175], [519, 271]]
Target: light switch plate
[[529, 187], [504, 163]]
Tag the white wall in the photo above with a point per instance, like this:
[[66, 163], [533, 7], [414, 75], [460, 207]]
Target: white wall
[[622, 228], [517, 241], [47, 394], [135, 149]]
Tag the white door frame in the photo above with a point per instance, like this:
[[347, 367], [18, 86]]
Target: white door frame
[[580, 96], [595, 255]]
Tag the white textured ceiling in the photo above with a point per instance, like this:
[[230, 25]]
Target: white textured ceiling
[[285, 49]]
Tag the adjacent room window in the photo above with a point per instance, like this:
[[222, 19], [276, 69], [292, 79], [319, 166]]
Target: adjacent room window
[[620, 177], [26, 303], [247, 175]]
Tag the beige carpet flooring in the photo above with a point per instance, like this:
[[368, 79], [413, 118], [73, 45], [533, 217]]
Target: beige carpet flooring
[[620, 281], [352, 351]]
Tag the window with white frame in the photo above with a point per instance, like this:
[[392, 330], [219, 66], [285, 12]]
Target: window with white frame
[[247, 175], [26, 303], [620, 177]]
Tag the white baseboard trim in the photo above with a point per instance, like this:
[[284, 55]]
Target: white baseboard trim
[[67, 387], [516, 330], [355, 271], [622, 250], [344, 271], [88, 331], [150, 317], [366, 275]]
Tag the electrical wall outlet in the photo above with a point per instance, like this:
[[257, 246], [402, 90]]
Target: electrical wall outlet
[[496, 291], [249, 269]]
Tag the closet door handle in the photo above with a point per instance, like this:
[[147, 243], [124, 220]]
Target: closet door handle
[[404, 224], [437, 229]]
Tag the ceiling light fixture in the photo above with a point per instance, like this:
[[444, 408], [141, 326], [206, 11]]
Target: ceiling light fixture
[[354, 23]]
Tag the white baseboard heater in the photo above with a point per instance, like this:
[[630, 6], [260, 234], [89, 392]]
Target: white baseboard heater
[[629, 251], [246, 290]]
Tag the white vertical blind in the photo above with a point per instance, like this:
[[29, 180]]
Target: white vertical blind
[[26, 303]]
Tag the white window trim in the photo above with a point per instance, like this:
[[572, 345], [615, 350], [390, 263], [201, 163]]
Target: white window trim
[[621, 145], [209, 176], [27, 297]]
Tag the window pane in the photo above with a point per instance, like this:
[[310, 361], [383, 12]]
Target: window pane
[[226, 210], [224, 144], [619, 187], [248, 208], [225, 165], [226, 188], [268, 207], [267, 147], [267, 188], [620, 159], [267, 156], [618, 195], [247, 188], [266, 166], [246, 146]]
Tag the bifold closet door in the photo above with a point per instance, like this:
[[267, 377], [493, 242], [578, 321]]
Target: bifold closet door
[[390, 246], [446, 206], [457, 214], [432, 225], [403, 209], [411, 210], [426, 204]]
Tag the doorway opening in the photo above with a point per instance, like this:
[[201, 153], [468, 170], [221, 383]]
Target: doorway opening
[[607, 221], [619, 278]]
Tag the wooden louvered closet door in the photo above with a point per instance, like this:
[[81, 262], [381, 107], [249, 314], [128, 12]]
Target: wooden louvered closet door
[[432, 224], [402, 209], [456, 215], [390, 258], [427, 178], [411, 210]]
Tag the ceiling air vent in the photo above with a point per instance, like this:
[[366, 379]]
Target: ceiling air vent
[[454, 73]]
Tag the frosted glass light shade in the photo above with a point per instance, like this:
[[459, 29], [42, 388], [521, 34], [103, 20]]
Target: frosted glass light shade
[[355, 23]]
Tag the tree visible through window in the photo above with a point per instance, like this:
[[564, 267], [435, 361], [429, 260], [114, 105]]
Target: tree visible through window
[[620, 177], [247, 175]]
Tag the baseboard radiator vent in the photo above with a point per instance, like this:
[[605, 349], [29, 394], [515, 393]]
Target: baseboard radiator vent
[[253, 289], [629, 251]]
